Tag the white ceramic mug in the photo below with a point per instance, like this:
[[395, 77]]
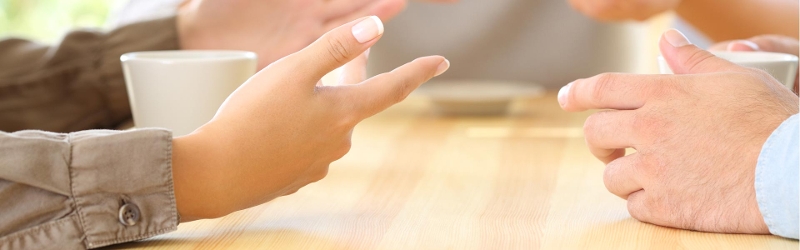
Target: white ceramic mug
[[182, 90], [781, 66]]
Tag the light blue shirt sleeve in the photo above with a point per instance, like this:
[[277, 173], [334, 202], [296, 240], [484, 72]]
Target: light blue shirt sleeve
[[777, 179]]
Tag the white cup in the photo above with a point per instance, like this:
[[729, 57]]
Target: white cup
[[781, 66], [182, 90]]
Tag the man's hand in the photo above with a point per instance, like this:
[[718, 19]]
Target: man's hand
[[271, 28], [697, 135], [281, 129], [768, 43], [616, 10]]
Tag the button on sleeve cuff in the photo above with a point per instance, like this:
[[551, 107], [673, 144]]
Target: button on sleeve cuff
[[122, 184]]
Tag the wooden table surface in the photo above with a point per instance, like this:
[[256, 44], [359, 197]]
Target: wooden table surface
[[415, 180]]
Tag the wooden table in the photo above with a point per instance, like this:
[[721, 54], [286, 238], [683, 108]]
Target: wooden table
[[415, 180]]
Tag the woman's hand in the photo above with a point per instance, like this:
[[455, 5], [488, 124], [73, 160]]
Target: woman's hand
[[281, 129]]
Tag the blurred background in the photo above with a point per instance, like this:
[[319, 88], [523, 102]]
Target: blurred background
[[48, 20]]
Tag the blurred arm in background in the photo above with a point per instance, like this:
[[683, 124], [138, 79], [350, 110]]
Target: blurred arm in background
[[77, 84], [719, 20]]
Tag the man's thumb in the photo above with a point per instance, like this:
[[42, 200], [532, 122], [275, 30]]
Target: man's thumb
[[685, 58]]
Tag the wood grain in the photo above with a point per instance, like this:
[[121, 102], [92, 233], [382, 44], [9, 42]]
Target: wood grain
[[415, 180]]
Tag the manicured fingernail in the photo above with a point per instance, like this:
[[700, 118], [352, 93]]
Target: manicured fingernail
[[442, 67], [562, 94], [739, 44], [368, 29], [676, 38]]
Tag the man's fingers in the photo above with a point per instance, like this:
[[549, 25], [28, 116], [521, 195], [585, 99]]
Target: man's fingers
[[609, 133], [354, 71], [384, 90], [776, 43], [620, 176], [685, 58], [333, 49], [612, 91], [383, 9], [640, 205]]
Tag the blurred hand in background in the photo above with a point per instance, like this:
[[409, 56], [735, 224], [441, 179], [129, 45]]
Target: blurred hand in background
[[613, 10], [719, 20], [272, 28], [767, 43]]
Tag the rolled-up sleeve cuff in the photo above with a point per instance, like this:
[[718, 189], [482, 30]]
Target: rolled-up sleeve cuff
[[776, 181], [122, 184]]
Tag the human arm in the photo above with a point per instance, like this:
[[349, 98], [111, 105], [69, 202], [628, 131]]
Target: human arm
[[278, 132], [735, 19], [697, 135], [77, 84], [66, 191]]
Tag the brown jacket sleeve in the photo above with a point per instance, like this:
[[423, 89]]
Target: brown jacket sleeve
[[85, 189], [77, 84]]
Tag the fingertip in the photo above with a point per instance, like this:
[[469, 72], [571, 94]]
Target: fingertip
[[563, 95], [443, 67], [367, 29], [742, 45], [675, 38]]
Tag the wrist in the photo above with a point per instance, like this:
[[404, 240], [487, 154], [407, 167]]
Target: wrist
[[194, 179]]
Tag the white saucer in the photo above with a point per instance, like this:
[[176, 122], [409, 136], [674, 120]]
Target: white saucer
[[477, 97]]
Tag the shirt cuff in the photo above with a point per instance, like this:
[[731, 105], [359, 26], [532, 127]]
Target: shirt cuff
[[122, 184], [776, 180]]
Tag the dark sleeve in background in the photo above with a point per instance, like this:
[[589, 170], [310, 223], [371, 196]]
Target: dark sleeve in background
[[78, 84]]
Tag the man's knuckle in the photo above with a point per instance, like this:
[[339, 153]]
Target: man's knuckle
[[610, 173], [644, 125], [637, 208], [591, 127], [604, 83]]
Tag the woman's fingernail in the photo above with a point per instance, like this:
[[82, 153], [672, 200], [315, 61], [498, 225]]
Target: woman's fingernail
[[676, 38], [562, 94], [742, 45], [368, 29], [442, 67]]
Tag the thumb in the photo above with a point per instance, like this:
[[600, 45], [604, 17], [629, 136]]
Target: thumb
[[334, 49], [685, 58]]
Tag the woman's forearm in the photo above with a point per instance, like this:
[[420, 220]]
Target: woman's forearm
[[740, 19]]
